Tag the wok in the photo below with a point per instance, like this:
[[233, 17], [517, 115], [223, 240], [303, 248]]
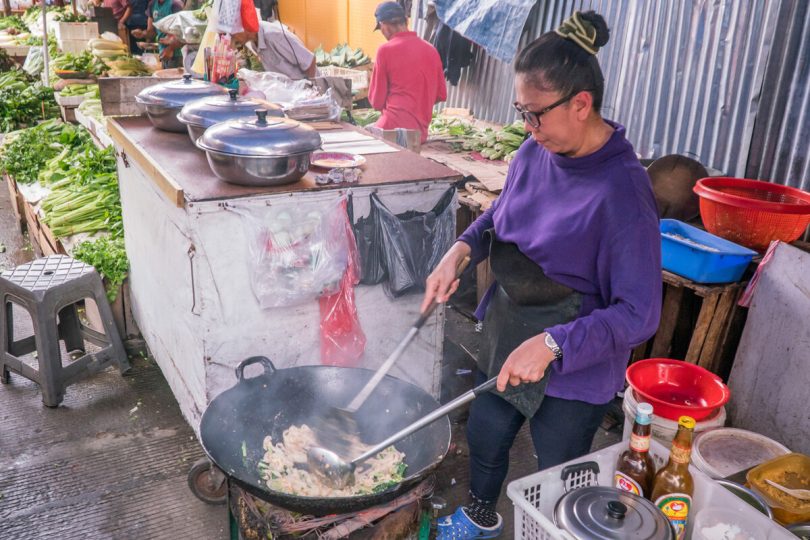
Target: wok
[[234, 426]]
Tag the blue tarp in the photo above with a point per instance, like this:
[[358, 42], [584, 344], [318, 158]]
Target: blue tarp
[[496, 25]]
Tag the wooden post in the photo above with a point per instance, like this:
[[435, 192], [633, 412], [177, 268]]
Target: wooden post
[[7, 8]]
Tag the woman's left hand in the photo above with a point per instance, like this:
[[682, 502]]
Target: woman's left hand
[[527, 363]]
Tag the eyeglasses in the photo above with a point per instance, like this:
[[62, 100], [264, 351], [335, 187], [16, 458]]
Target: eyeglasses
[[533, 117]]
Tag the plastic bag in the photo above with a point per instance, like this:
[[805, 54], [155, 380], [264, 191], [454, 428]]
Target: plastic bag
[[299, 99], [369, 250], [412, 243], [183, 25], [34, 61], [298, 251], [343, 341]]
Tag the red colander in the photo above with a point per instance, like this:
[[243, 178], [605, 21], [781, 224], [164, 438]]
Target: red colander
[[752, 212]]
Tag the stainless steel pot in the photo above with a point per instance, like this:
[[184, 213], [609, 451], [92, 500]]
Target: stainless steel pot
[[748, 495], [201, 114], [259, 152], [162, 102], [602, 513]]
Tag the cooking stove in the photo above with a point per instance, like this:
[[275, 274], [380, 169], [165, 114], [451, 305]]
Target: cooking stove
[[405, 517]]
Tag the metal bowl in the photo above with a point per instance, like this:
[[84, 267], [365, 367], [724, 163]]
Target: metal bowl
[[200, 114], [748, 495], [801, 530], [258, 171], [163, 101]]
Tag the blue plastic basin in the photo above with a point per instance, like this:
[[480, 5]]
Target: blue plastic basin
[[701, 256]]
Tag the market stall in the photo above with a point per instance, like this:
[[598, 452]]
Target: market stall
[[189, 257]]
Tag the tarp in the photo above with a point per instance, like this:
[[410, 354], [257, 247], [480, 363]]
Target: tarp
[[496, 25]]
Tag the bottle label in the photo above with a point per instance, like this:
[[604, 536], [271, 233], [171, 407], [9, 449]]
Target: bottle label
[[639, 443], [676, 507], [680, 454], [625, 483]]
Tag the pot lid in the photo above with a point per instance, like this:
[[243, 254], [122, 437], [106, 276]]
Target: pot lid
[[208, 111], [260, 137], [178, 93], [723, 452], [601, 512]]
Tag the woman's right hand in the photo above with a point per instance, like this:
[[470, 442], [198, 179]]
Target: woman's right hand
[[442, 282]]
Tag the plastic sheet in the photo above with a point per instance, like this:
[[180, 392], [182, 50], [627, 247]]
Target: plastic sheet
[[297, 251], [409, 245], [299, 99], [343, 341]]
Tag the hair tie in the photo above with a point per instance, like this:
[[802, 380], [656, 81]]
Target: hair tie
[[580, 31]]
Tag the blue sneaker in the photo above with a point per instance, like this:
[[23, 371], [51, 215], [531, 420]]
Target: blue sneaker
[[459, 526]]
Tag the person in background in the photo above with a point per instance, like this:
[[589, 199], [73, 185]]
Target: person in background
[[134, 18], [279, 50], [574, 245], [168, 49], [118, 7], [408, 79]]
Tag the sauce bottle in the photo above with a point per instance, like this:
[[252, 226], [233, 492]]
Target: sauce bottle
[[635, 469], [673, 486]]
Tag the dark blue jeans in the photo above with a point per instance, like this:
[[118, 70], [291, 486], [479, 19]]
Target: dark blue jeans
[[562, 430]]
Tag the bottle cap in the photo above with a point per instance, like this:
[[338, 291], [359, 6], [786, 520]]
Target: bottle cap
[[686, 421], [644, 408]]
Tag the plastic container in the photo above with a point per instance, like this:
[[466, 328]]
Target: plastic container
[[721, 453], [663, 429], [535, 496], [717, 523], [676, 388], [752, 213], [701, 256], [791, 471]]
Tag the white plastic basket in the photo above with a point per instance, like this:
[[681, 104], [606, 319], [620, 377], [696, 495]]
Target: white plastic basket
[[359, 78], [535, 496], [74, 30]]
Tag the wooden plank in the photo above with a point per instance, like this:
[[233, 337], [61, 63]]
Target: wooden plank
[[669, 318], [707, 312], [710, 354], [16, 200], [159, 176]]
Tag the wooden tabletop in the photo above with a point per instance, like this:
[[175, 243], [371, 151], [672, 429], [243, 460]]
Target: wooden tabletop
[[181, 171]]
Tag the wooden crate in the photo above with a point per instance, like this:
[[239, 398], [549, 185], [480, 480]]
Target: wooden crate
[[122, 314], [700, 324], [16, 200], [118, 93], [43, 240]]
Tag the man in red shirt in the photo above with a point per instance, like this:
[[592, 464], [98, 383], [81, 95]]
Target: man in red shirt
[[408, 78]]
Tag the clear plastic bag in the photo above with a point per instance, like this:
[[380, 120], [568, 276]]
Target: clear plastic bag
[[299, 99], [299, 251], [183, 25], [35, 61], [343, 341]]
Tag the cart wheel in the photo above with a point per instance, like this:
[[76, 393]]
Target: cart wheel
[[207, 482]]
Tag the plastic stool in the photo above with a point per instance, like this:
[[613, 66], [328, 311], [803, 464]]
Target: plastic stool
[[49, 289]]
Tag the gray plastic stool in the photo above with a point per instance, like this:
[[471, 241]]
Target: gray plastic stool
[[49, 289]]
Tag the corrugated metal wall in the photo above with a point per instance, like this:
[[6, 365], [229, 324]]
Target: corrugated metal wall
[[687, 77]]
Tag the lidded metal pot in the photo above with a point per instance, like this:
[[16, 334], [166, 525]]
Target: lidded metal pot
[[259, 152], [162, 102], [602, 513], [200, 114]]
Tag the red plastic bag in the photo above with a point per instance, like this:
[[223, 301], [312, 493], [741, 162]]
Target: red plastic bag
[[343, 341], [250, 21]]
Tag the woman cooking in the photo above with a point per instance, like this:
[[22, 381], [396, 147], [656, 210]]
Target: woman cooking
[[574, 246]]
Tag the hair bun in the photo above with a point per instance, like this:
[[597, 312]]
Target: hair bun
[[601, 27], [588, 30]]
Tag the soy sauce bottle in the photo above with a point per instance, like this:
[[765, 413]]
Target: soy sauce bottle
[[635, 469]]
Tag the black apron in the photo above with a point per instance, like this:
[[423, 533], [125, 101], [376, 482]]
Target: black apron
[[524, 303]]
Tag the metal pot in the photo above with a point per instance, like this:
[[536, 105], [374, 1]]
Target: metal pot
[[162, 102], [748, 495], [801, 530], [260, 152], [601, 512], [201, 114]]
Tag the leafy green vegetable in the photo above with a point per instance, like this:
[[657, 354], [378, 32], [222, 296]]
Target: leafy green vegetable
[[70, 17], [13, 22], [25, 152], [108, 256]]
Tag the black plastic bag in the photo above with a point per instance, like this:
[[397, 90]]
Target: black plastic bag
[[366, 234], [410, 244]]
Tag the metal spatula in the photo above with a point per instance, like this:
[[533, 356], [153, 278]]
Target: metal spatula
[[339, 426]]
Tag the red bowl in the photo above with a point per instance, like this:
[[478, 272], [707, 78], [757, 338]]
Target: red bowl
[[676, 388]]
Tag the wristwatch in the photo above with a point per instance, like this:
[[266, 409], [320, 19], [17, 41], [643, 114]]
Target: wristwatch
[[552, 345]]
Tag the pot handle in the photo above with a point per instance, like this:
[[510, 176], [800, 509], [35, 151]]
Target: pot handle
[[269, 368]]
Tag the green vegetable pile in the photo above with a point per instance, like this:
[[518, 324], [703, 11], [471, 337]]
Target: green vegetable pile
[[87, 90], [23, 103], [84, 61], [108, 256], [6, 63], [24, 153], [92, 107], [14, 23], [342, 56], [495, 145], [70, 17], [365, 117], [449, 126]]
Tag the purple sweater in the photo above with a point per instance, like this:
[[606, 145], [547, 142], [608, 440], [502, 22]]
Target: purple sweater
[[591, 224]]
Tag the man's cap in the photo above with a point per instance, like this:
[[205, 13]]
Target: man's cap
[[388, 11]]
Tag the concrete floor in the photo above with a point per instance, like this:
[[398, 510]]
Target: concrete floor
[[112, 461]]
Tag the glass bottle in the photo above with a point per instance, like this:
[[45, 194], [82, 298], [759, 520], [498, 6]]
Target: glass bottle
[[673, 486], [635, 469]]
